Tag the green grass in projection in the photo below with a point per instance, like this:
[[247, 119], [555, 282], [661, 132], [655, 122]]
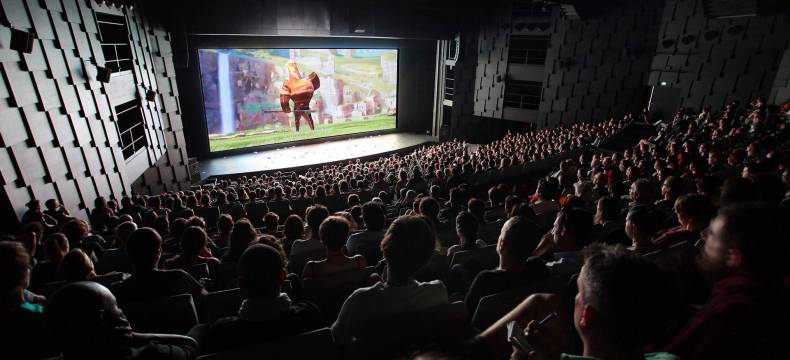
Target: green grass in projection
[[278, 134]]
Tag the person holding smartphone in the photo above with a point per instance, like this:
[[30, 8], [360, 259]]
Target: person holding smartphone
[[610, 322]]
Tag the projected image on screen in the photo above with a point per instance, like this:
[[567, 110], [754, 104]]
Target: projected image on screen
[[258, 97]]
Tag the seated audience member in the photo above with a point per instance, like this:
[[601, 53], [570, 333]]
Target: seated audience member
[[87, 324], [609, 226], [452, 206], [368, 242], [293, 230], [34, 214], [147, 281], [210, 213], [641, 226], [76, 266], [22, 331], [315, 216], [745, 256], [224, 228], [56, 211], [333, 233], [466, 228], [256, 209], [672, 188], [407, 246], [641, 193], [694, 213], [429, 208], [546, 207], [194, 242], [242, 236], [512, 202], [606, 316], [488, 231], [116, 259], [56, 246], [270, 222], [266, 313], [571, 232], [79, 236], [517, 241], [30, 235], [100, 215], [496, 199]]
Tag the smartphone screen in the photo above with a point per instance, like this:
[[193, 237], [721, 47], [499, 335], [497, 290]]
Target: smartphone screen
[[515, 336]]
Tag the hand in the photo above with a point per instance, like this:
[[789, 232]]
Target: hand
[[545, 339]]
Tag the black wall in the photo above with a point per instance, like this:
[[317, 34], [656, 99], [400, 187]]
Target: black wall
[[416, 67]]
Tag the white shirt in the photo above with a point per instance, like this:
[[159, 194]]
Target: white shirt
[[381, 301]]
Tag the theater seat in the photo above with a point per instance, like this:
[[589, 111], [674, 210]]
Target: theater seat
[[317, 344], [330, 291], [297, 262], [436, 269], [398, 335], [492, 307], [171, 315], [223, 303], [106, 280], [478, 259]]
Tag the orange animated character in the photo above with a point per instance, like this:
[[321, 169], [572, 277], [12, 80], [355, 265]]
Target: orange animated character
[[300, 91]]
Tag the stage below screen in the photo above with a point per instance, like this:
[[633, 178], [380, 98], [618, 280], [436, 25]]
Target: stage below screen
[[294, 157]]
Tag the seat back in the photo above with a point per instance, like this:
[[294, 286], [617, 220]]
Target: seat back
[[170, 315], [106, 280], [198, 271], [227, 277], [489, 232], [223, 303], [492, 307], [403, 333], [297, 262], [317, 344], [477, 259], [436, 269], [329, 292]]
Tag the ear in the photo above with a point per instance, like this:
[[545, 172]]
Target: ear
[[588, 316], [283, 275], [734, 258]]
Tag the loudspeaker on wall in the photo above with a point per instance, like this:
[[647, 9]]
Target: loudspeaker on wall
[[103, 74], [22, 41]]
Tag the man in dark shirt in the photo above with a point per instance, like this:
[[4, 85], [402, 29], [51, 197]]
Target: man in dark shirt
[[149, 283], [746, 317], [267, 314], [87, 323], [517, 240]]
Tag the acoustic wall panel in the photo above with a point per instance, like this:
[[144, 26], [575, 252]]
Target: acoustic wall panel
[[58, 134], [602, 62]]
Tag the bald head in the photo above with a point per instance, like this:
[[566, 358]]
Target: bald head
[[82, 315]]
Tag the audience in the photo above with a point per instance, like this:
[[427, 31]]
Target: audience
[[89, 325], [148, 282], [466, 228], [744, 255], [407, 246], [333, 233], [727, 160], [266, 313], [368, 242], [517, 241], [22, 331], [315, 216]]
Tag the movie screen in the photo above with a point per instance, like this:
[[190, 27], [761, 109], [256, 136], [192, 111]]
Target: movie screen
[[256, 97]]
